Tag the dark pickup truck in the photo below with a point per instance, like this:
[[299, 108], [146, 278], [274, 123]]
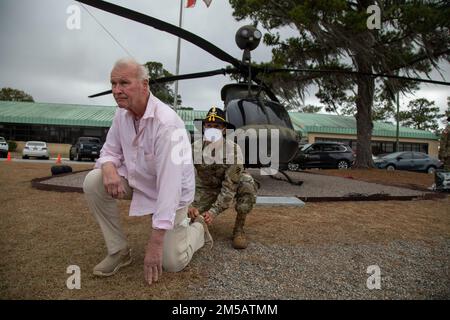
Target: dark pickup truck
[[85, 147]]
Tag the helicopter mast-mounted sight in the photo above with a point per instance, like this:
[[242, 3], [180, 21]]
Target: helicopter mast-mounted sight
[[248, 39]]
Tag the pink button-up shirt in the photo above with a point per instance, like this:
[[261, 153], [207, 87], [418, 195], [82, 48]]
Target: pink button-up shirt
[[150, 161]]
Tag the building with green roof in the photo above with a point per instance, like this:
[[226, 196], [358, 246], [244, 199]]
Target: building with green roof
[[328, 127], [63, 123]]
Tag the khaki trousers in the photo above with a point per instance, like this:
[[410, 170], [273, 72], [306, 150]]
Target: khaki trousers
[[180, 243]]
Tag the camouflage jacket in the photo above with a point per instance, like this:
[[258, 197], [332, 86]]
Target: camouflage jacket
[[219, 166]]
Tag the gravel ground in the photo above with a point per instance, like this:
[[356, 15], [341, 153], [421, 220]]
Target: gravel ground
[[314, 185], [409, 270]]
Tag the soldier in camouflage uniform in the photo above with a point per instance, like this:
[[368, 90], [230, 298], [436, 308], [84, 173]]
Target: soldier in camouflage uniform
[[444, 149], [220, 177]]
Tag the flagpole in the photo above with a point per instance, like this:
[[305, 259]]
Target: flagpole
[[175, 100]]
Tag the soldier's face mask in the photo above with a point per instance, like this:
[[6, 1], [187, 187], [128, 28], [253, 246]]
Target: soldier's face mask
[[212, 134]]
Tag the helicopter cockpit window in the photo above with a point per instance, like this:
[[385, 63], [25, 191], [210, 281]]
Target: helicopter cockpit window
[[278, 115], [247, 112]]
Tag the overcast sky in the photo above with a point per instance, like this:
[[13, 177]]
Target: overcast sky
[[40, 55]]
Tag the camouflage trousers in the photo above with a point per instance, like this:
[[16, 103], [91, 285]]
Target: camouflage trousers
[[244, 200]]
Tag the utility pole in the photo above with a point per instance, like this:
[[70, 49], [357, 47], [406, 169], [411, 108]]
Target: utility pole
[[177, 71]]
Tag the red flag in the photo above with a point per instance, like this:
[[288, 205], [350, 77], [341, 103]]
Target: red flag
[[190, 3]]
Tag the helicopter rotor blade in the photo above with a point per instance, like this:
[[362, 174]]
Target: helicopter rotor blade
[[195, 75], [180, 77], [164, 26], [104, 93], [376, 75]]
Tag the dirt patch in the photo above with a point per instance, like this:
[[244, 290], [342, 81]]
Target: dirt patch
[[414, 180]]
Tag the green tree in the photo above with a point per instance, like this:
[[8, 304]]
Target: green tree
[[310, 109], [383, 108], [446, 114], [162, 91], [448, 107], [10, 94], [421, 114], [412, 38]]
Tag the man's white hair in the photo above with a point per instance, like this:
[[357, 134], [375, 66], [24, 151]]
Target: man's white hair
[[142, 71]]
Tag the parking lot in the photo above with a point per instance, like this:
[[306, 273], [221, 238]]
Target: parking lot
[[17, 157]]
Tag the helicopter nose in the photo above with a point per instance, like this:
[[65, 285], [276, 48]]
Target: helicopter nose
[[264, 143]]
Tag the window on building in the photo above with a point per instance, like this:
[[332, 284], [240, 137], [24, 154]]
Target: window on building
[[381, 147], [388, 147]]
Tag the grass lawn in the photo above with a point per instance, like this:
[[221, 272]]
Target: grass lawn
[[43, 232]]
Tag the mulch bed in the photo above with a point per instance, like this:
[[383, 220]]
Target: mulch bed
[[396, 179]]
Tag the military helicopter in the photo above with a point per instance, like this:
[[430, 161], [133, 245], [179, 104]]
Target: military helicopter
[[249, 104]]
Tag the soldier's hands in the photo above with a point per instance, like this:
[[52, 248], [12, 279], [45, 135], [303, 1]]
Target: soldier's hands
[[112, 181], [153, 257], [234, 172], [193, 213], [209, 217]]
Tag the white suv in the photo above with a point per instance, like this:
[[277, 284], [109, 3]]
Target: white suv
[[35, 149], [3, 147]]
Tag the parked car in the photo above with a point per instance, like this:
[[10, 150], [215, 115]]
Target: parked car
[[85, 147], [323, 155], [4, 148], [407, 160], [36, 149]]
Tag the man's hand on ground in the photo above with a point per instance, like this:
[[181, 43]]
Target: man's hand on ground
[[153, 256], [112, 181]]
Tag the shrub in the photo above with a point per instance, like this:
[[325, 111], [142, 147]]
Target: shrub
[[12, 146]]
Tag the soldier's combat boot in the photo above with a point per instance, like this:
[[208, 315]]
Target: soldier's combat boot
[[239, 238]]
